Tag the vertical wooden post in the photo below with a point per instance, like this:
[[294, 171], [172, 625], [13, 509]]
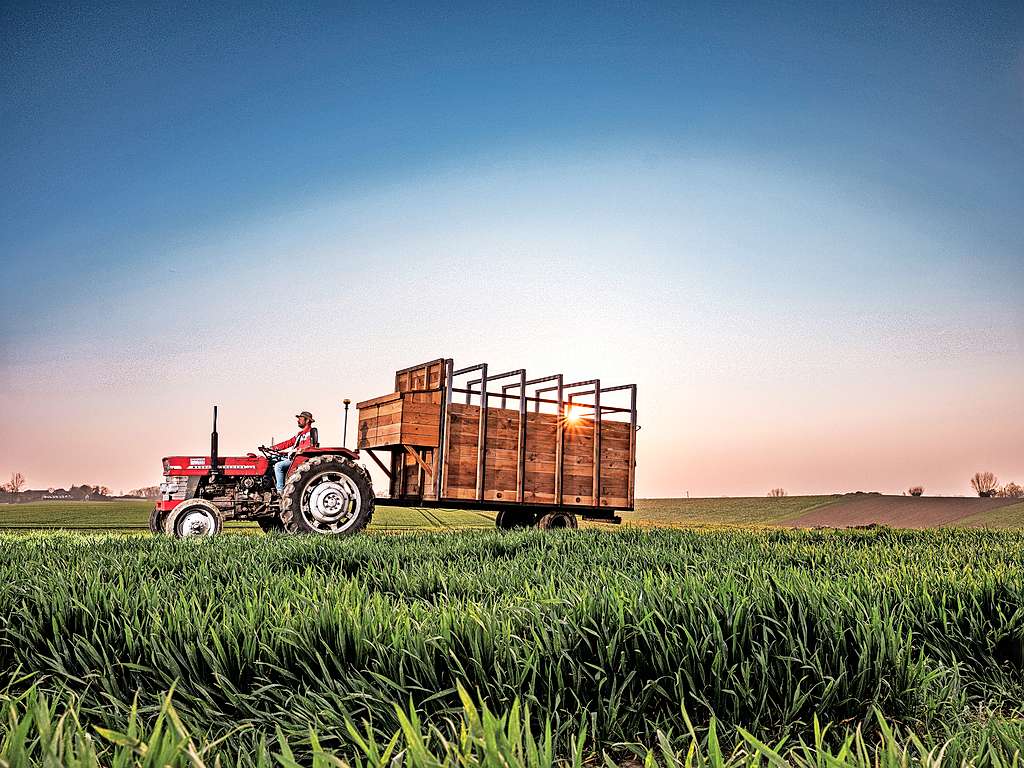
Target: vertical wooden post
[[440, 455], [560, 443], [521, 465], [632, 446], [481, 444], [597, 443]]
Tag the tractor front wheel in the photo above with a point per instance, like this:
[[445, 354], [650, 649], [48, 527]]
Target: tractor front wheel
[[327, 494], [193, 518]]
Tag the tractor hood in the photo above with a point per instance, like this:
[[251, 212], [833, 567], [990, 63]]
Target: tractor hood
[[229, 465]]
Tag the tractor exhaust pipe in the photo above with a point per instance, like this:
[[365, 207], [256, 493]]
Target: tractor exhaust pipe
[[344, 433], [214, 466]]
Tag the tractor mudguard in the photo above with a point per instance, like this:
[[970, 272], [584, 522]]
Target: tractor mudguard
[[309, 453]]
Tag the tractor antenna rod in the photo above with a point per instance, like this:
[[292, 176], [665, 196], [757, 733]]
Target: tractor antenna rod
[[213, 445], [344, 433]]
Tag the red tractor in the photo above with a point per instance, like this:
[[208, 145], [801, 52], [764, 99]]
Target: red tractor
[[327, 491]]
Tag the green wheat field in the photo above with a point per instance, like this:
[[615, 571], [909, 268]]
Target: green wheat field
[[640, 645], [131, 515]]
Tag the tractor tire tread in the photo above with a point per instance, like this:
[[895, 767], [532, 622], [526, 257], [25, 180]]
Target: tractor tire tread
[[290, 496]]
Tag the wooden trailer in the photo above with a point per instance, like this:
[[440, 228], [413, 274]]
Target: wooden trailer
[[538, 451]]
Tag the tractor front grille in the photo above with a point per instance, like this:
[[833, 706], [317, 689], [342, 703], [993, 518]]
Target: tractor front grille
[[173, 488]]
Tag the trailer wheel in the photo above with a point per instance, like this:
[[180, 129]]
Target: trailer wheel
[[193, 518], [327, 494], [558, 519], [508, 519]]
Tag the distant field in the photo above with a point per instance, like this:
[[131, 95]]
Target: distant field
[[790, 511], [839, 511], [1006, 517], [724, 511], [76, 514]]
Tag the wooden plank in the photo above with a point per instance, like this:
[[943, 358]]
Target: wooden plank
[[461, 492], [391, 431], [576, 500], [505, 496], [378, 400], [415, 434], [383, 419]]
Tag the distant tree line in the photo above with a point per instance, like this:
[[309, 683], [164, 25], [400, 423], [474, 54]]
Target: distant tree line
[[14, 491], [986, 485], [14, 485]]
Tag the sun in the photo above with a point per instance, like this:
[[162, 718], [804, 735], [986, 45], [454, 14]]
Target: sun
[[573, 414]]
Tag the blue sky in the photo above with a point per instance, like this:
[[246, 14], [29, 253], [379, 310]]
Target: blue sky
[[729, 204]]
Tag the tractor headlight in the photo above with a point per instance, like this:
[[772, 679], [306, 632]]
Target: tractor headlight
[[173, 488]]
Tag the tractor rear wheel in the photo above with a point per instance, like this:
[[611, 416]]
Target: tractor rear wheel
[[327, 494], [194, 518], [558, 519]]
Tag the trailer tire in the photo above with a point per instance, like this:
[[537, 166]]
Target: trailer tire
[[194, 518], [558, 519], [327, 494], [509, 519]]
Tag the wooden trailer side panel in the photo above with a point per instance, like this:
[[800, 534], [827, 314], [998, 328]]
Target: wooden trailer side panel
[[578, 472], [428, 376], [615, 469], [541, 457], [398, 420], [501, 470], [459, 479]]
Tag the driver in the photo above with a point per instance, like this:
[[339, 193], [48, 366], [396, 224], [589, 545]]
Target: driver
[[291, 446]]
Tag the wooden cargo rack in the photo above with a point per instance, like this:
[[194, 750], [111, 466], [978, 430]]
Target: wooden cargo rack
[[560, 446]]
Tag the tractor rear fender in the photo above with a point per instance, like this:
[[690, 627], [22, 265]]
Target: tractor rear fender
[[311, 452]]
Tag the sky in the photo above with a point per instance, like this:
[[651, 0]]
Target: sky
[[799, 228]]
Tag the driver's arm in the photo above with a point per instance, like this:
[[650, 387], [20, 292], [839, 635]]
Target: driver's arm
[[283, 446]]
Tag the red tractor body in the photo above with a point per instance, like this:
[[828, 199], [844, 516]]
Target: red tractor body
[[246, 466], [326, 491]]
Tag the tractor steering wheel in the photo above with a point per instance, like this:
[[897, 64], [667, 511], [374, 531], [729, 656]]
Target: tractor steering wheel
[[270, 453]]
